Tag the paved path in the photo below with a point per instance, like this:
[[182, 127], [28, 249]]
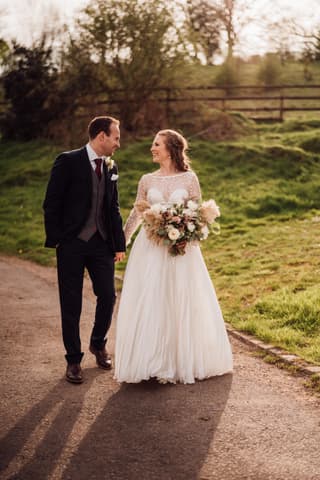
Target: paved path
[[259, 423]]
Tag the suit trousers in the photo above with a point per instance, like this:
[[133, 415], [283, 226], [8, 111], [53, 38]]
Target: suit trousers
[[72, 258]]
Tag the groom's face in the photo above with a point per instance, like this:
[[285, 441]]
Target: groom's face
[[111, 142]]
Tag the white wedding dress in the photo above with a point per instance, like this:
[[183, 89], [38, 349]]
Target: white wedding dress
[[169, 323]]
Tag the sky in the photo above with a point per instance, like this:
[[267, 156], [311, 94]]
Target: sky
[[24, 19]]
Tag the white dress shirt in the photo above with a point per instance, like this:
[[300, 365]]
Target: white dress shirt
[[92, 156]]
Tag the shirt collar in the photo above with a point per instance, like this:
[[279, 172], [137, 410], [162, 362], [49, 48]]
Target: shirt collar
[[91, 153]]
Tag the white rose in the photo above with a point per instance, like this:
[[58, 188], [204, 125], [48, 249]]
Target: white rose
[[189, 213], [173, 233], [192, 205], [205, 232], [163, 207], [156, 208], [191, 226]]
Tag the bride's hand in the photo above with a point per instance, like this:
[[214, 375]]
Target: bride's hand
[[182, 244]]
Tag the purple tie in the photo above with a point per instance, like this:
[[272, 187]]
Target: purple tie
[[98, 162]]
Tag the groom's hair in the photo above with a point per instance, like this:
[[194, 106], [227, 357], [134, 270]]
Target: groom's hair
[[101, 124]]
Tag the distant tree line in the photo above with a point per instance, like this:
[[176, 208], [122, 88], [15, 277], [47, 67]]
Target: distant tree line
[[128, 46]]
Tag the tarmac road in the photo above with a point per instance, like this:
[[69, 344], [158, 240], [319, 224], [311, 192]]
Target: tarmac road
[[259, 423]]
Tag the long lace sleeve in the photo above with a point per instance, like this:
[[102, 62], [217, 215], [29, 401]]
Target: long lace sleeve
[[194, 188], [135, 218]]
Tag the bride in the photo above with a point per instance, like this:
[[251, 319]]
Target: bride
[[169, 324]]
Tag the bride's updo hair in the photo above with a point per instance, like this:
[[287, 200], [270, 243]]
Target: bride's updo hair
[[177, 147]]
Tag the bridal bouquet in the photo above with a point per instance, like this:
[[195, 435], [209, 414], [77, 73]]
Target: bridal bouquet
[[177, 224]]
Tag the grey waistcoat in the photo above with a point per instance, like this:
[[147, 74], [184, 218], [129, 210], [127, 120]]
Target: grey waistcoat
[[95, 221]]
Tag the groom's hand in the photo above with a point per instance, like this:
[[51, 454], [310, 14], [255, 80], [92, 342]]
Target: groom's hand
[[119, 256]]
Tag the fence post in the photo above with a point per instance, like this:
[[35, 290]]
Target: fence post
[[281, 107]]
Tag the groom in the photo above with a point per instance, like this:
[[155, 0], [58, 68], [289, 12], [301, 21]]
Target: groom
[[83, 223]]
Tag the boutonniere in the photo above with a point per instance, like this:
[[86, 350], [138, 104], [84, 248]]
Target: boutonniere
[[114, 177], [109, 162]]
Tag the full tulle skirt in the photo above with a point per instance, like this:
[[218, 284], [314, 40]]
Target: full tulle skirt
[[169, 323]]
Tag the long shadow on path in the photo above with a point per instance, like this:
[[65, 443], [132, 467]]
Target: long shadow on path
[[34, 454], [151, 431]]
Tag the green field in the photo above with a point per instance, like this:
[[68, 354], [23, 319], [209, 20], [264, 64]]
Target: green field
[[290, 73], [265, 265]]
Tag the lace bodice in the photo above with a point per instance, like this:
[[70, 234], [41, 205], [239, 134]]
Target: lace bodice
[[155, 188]]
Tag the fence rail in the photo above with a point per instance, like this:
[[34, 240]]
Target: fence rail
[[276, 98], [271, 100]]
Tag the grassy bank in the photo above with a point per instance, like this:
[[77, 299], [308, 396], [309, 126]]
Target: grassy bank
[[265, 265], [290, 73]]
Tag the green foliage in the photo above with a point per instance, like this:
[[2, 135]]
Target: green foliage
[[269, 71], [29, 82], [317, 46], [203, 29], [4, 50], [131, 46], [228, 75]]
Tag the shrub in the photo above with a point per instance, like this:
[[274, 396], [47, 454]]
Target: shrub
[[29, 83], [227, 76], [269, 71]]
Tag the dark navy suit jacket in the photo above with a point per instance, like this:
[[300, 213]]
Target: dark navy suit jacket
[[68, 200]]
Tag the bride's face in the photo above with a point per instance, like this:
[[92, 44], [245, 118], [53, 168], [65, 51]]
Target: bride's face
[[159, 150]]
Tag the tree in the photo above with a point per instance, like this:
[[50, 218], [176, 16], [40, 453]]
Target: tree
[[223, 19], [132, 46], [4, 50], [226, 10], [312, 44], [29, 81], [310, 41], [4, 47], [204, 30], [317, 46]]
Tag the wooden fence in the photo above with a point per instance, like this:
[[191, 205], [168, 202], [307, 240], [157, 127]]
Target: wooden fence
[[257, 102]]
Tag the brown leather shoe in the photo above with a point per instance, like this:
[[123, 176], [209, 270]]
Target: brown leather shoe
[[74, 373], [102, 358]]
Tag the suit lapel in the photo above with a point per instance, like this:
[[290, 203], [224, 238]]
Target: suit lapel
[[107, 180], [85, 166]]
